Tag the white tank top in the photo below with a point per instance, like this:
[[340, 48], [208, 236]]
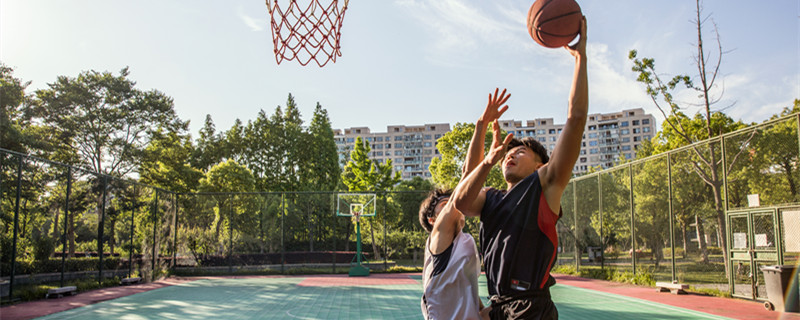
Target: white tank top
[[450, 284]]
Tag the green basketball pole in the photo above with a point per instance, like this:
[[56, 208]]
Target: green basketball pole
[[356, 268]]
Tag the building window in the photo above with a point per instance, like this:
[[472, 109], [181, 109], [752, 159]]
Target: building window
[[388, 146], [398, 168], [398, 145], [624, 131], [635, 139], [553, 139], [583, 160], [631, 114], [427, 137], [592, 128], [551, 131], [542, 139], [351, 140], [540, 131], [623, 124], [592, 135], [438, 136], [636, 130], [593, 143], [646, 129], [626, 148], [427, 144], [635, 122], [593, 151], [645, 121], [543, 122], [398, 153]]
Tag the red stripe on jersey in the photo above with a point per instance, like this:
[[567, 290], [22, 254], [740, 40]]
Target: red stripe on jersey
[[547, 223]]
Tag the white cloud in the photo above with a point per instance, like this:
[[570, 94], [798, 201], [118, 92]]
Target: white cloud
[[252, 23]]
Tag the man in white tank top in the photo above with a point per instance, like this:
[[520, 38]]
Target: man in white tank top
[[451, 269]]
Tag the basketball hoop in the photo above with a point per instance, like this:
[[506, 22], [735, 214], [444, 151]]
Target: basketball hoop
[[305, 35]]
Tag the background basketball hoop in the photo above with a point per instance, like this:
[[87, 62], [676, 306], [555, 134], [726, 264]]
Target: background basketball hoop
[[307, 34]]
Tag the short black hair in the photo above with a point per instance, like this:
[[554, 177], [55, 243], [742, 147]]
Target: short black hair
[[531, 143], [428, 207]]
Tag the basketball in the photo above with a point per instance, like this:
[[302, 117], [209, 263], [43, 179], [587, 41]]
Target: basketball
[[554, 23]]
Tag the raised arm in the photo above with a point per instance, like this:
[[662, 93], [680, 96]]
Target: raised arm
[[494, 110], [556, 175], [469, 195]]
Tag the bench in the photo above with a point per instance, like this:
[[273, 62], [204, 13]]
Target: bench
[[128, 281], [60, 292], [673, 287]]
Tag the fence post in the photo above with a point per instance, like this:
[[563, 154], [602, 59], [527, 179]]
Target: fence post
[[16, 227], [230, 234], [154, 213], [175, 234], [64, 232], [671, 215], [633, 220], [600, 212], [130, 238], [100, 225], [575, 216], [283, 249], [385, 246], [333, 210]]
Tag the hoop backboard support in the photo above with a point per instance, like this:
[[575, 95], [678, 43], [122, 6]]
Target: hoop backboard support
[[358, 205]]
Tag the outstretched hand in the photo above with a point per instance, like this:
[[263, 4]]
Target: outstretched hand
[[498, 149], [579, 48], [495, 107]]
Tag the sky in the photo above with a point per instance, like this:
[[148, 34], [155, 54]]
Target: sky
[[406, 62]]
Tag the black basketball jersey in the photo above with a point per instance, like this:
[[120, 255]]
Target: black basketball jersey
[[518, 238]]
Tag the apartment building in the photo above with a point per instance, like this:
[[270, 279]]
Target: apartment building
[[606, 138], [411, 148]]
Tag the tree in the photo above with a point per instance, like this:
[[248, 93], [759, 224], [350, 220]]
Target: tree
[[103, 118], [446, 172], [12, 120], [225, 177], [362, 174], [209, 148], [165, 162], [685, 131]]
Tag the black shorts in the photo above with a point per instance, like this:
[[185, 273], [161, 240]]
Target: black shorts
[[538, 308]]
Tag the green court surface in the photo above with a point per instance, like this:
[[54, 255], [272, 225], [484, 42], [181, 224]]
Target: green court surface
[[338, 297]]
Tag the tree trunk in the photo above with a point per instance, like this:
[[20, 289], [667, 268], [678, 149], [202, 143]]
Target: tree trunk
[[701, 238], [374, 246], [111, 236], [24, 218], [71, 234], [685, 245]]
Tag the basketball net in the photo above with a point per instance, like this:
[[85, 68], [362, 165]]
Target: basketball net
[[307, 34]]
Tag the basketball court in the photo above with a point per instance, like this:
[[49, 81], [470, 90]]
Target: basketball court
[[378, 296]]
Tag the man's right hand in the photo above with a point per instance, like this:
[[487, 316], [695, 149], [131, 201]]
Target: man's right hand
[[498, 149]]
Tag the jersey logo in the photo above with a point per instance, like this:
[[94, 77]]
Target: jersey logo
[[520, 285]]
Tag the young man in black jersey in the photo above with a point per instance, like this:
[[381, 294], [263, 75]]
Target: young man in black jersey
[[518, 225]]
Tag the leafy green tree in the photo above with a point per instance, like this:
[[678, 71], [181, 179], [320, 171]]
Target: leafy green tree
[[682, 130], [104, 118], [453, 146], [12, 119], [321, 170], [225, 177], [210, 147], [362, 174], [165, 162]]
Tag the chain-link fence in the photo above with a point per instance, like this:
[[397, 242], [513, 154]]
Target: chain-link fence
[[708, 215]]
